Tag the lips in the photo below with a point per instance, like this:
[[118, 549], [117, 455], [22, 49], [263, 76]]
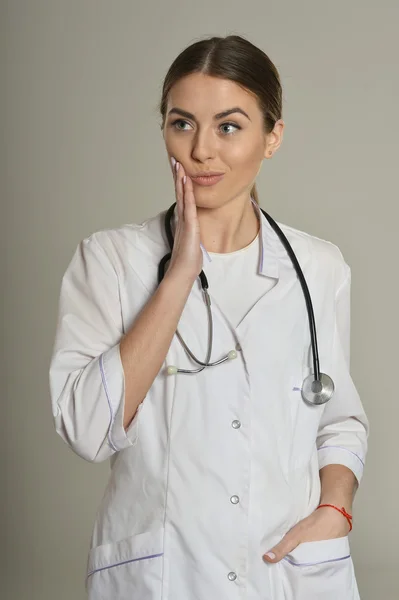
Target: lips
[[208, 179], [206, 174]]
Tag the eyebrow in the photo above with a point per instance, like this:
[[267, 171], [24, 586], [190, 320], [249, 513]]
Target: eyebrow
[[221, 115]]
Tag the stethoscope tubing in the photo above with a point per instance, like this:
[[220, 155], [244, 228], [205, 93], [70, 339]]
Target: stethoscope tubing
[[318, 387], [306, 293], [204, 284]]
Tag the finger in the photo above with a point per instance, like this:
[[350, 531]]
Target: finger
[[172, 161], [190, 207], [181, 175], [179, 191], [173, 164], [287, 544]]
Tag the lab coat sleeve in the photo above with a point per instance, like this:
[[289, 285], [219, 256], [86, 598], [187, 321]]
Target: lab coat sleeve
[[86, 373], [344, 427]]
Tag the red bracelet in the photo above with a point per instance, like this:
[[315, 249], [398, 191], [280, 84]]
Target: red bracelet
[[342, 511]]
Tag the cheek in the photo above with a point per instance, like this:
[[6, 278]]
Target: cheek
[[245, 163], [169, 146], [171, 142], [176, 148], [245, 155]]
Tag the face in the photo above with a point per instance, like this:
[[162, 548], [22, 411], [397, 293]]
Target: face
[[201, 140]]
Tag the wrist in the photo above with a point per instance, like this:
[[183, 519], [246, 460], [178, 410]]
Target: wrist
[[338, 500], [182, 279], [339, 510]]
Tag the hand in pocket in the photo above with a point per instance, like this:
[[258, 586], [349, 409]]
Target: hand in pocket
[[322, 524]]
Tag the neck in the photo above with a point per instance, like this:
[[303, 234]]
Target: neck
[[228, 228]]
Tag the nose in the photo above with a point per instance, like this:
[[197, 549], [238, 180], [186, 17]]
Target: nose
[[204, 146]]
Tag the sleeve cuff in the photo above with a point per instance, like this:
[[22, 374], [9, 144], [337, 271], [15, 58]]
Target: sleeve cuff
[[340, 455], [113, 380]]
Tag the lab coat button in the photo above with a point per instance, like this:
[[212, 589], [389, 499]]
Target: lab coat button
[[234, 499], [236, 424], [232, 576]]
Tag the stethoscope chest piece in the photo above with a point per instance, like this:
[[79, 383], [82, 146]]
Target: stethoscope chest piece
[[317, 391]]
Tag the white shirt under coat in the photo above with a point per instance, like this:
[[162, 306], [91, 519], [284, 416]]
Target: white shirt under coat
[[215, 467]]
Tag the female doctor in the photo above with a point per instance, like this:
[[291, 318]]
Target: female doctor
[[218, 470]]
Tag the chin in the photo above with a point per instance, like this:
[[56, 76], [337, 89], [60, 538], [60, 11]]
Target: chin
[[203, 202]]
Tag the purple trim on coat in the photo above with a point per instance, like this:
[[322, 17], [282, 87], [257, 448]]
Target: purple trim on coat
[[297, 389], [124, 562], [104, 380], [343, 448], [314, 563]]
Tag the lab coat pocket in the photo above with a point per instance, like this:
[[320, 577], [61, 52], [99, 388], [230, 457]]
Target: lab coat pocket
[[321, 569], [128, 569]]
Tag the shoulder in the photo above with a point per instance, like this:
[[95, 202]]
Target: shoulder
[[139, 234], [323, 257], [131, 244]]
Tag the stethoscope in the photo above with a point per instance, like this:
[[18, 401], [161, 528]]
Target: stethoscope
[[317, 388]]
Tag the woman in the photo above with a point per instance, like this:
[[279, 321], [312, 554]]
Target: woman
[[217, 474]]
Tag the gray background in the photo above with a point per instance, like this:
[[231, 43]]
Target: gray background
[[83, 151]]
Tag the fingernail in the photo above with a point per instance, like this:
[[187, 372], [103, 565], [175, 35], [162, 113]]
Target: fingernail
[[177, 166], [184, 179], [270, 555], [173, 161]]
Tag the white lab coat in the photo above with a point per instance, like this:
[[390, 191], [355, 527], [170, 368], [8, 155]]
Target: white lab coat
[[216, 467]]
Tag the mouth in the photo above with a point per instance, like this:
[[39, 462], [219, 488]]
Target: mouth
[[206, 180]]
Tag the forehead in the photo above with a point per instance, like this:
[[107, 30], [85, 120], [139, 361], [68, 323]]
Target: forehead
[[205, 94]]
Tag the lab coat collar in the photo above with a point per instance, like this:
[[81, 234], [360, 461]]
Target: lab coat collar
[[268, 263]]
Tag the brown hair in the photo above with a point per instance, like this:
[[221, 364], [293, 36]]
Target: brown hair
[[234, 58]]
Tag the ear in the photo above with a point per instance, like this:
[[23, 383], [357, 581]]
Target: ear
[[274, 139]]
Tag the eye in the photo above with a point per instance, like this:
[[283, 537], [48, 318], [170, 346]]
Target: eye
[[227, 124], [237, 127]]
